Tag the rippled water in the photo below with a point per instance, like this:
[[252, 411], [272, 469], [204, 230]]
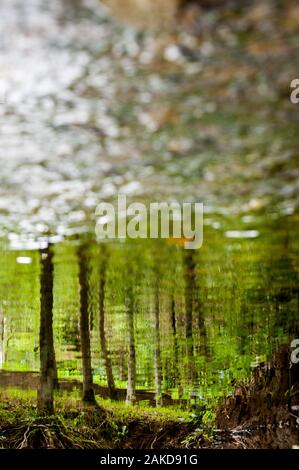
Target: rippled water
[[94, 108]]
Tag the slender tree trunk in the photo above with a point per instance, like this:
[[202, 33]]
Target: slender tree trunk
[[48, 370], [105, 352], [202, 343], [2, 339], [88, 395], [175, 343], [158, 365], [189, 293], [131, 387]]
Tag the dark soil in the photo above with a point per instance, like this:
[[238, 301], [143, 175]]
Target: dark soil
[[263, 412]]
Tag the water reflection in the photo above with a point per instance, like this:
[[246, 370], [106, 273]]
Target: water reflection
[[85, 326], [140, 317], [48, 368]]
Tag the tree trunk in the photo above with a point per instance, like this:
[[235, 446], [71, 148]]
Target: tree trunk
[[2, 339], [189, 293], [175, 371], [202, 336], [88, 395], [48, 370], [131, 387], [105, 352], [158, 366]]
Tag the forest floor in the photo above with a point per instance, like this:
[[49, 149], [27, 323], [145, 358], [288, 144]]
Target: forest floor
[[21, 427], [260, 413]]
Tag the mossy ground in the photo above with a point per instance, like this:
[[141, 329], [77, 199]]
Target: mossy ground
[[112, 425]]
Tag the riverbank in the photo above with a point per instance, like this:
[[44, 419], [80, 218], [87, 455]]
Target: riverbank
[[126, 427], [260, 413]]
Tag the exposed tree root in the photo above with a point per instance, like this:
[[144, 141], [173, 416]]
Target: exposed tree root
[[264, 410], [50, 434]]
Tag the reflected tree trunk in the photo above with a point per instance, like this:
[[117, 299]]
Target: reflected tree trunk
[[202, 344], [189, 263], [158, 364], [131, 387], [104, 348], [48, 369], [2, 338], [88, 395], [173, 324]]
